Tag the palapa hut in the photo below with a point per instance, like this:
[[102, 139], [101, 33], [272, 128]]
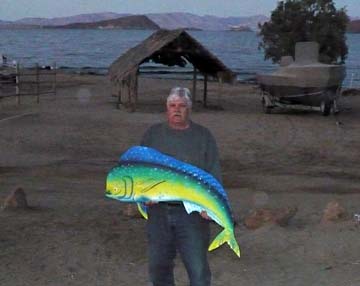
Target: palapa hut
[[168, 47]]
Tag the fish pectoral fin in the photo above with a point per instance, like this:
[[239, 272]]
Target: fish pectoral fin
[[143, 210], [225, 236], [151, 185]]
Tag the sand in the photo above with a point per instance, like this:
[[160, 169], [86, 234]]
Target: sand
[[59, 152]]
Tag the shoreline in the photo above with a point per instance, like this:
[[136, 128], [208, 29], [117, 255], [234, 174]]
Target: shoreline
[[170, 73]]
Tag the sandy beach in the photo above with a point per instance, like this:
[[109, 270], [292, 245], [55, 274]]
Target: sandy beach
[[60, 151]]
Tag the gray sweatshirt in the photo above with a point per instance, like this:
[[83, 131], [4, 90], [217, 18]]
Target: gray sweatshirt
[[194, 145]]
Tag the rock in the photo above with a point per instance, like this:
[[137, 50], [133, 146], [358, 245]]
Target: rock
[[253, 221], [16, 199], [283, 216], [265, 216], [333, 212]]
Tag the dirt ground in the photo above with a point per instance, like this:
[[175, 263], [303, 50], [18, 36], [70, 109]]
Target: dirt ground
[[59, 152]]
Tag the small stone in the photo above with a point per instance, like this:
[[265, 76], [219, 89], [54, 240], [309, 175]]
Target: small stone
[[16, 199], [333, 212], [253, 221], [283, 216], [265, 216]]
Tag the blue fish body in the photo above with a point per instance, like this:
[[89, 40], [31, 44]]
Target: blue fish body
[[145, 174], [152, 156]]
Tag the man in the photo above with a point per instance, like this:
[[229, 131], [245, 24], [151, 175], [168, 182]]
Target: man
[[170, 229]]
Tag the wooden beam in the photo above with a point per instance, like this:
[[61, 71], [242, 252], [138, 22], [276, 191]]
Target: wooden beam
[[17, 88], [179, 50], [119, 88], [54, 81], [136, 75], [37, 79], [220, 90], [194, 86], [205, 89], [130, 94]]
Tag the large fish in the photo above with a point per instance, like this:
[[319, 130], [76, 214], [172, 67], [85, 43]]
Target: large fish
[[144, 174]]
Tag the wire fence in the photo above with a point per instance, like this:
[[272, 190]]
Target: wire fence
[[19, 82]]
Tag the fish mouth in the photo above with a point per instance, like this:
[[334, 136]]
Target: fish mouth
[[108, 193]]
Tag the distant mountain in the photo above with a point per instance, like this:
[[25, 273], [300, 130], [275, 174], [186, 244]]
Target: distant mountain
[[82, 18], [354, 18], [4, 24], [207, 22], [163, 20], [129, 22], [354, 26], [11, 25]]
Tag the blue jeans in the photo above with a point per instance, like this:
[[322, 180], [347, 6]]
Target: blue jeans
[[171, 229]]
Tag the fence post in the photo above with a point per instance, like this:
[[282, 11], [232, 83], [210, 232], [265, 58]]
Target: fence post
[[54, 81], [37, 83], [17, 87]]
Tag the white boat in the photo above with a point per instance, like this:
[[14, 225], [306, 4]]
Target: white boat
[[304, 83]]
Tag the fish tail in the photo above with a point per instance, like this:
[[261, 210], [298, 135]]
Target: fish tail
[[225, 236]]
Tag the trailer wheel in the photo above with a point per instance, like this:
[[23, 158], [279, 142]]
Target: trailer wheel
[[266, 109], [325, 108]]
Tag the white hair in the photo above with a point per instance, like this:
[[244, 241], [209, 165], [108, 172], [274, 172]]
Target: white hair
[[180, 92]]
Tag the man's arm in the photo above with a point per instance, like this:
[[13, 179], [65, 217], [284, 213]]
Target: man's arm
[[212, 163], [212, 158]]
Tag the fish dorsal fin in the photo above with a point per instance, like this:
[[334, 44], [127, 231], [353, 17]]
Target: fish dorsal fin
[[152, 156]]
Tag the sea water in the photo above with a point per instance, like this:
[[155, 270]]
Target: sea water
[[94, 50]]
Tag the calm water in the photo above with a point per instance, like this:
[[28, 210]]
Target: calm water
[[95, 50]]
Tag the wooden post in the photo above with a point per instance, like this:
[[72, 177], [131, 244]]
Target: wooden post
[[119, 87], [132, 84], [194, 87], [124, 101], [37, 78], [205, 89], [17, 88], [136, 87], [54, 81], [220, 90], [128, 84]]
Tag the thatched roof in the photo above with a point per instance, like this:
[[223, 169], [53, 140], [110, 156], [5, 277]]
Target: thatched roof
[[170, 47]]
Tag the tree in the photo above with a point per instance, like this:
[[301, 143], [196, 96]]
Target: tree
[[305, 20]]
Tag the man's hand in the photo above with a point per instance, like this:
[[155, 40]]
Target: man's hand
[[204, 215], [150, 203]]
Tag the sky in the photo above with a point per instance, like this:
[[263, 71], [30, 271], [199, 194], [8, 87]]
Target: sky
[[16, 9]]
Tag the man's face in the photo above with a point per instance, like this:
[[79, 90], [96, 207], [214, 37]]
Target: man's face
[[178, 112]]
